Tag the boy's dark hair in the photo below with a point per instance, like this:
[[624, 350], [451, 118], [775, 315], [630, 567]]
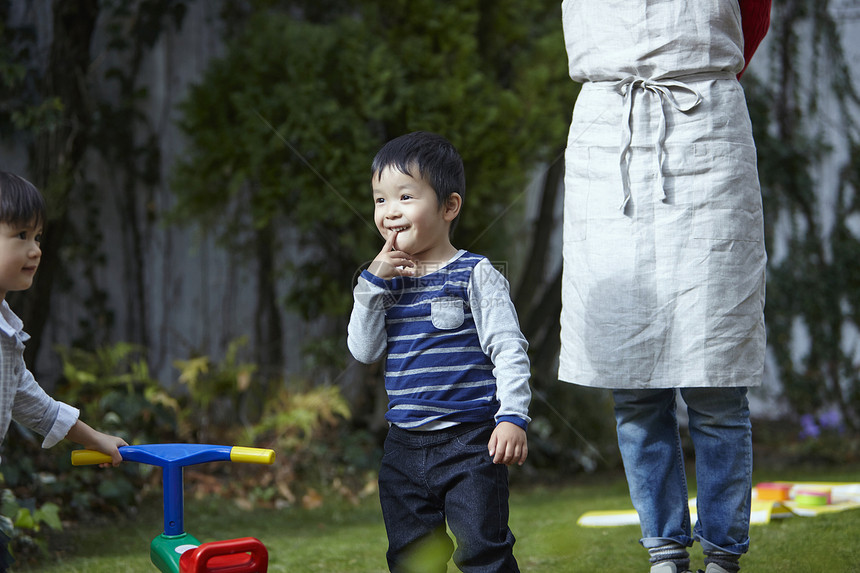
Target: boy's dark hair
[[20, 201], [435, 158]]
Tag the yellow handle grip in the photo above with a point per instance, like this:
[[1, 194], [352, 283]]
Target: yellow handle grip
[[252, 455], [89, 457]]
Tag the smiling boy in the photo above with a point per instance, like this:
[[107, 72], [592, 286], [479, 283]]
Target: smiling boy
[[22, 212], [456, 369]]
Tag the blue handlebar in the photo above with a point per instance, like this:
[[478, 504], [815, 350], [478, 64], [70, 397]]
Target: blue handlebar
[[172, 458], [179, 455]]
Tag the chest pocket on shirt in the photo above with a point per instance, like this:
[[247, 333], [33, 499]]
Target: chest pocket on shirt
[[447, 313]]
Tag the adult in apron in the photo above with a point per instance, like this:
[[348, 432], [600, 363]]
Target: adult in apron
[[664, 259]]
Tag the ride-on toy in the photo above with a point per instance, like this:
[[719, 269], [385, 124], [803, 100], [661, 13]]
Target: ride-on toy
[[175, 550]]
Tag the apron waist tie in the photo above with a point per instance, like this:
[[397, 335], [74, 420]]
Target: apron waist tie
[[676, 93]]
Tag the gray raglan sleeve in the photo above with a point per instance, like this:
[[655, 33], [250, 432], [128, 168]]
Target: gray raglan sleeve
[[366, 335], [502, 340]]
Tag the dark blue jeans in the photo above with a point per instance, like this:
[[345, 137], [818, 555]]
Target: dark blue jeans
[[427, 478]]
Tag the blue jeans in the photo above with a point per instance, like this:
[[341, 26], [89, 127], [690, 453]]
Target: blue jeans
[[650, 445], [428, 477]]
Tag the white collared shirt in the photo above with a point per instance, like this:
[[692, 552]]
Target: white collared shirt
[[21, 397]]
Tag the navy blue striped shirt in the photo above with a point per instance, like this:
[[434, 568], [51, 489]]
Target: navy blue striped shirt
[[440, 370]]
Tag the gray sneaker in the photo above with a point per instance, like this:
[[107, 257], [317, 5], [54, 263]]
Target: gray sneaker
[[713, 568], [668, 567]]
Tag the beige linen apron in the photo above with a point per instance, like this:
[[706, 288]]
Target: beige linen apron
[[664, 258]]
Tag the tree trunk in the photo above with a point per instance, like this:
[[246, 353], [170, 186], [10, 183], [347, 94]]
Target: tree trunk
[[268, 330]]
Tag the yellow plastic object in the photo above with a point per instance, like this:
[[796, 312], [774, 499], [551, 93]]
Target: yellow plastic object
[[89, 457], [252, 455]]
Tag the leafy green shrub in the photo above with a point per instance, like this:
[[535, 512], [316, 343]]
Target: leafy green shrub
[[316, 450], [216, 396], [113, 387], [23, 523]]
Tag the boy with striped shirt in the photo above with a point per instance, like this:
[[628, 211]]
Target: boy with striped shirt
[[456, 369]]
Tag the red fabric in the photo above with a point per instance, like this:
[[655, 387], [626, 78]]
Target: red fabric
[[755, 19]]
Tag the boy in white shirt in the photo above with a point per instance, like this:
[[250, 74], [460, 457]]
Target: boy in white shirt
[[22, 214]]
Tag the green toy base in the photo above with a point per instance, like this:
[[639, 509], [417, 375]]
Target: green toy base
[[165, 550]]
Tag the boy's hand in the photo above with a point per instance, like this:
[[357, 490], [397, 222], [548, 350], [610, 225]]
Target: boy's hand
[[390, 262], [92, 439], [109, 445], [508, 444]]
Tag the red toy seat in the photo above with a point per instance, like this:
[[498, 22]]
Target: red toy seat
[[243, 555]]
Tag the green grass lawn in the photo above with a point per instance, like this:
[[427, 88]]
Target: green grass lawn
[[345, 539]]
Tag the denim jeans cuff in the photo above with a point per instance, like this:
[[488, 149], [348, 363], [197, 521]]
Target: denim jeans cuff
[[735, 549], [652, 542]]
